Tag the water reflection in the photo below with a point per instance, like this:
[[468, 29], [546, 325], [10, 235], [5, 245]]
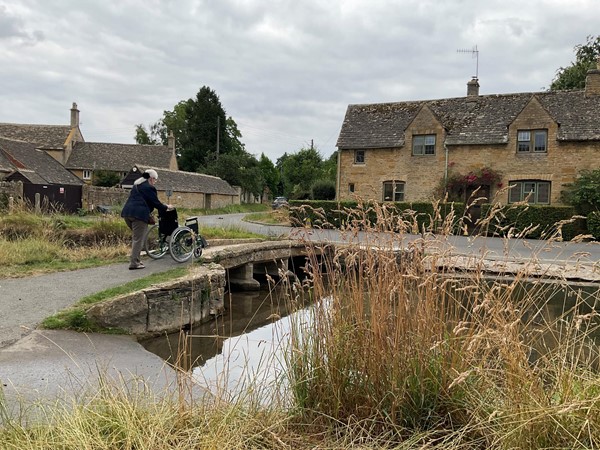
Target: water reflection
[[245, 312]]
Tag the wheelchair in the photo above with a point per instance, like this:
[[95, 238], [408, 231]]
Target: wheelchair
[[182, 242]]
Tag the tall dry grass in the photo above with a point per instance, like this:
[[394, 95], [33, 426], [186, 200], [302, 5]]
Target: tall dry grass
[[398, 344]]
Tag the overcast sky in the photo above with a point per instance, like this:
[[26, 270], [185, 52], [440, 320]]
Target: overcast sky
[[285, 70]]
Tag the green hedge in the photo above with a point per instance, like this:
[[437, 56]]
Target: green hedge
[[410, 217], [524, 218], [593, 224]]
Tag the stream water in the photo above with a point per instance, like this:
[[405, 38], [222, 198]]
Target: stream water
[[243, 347]]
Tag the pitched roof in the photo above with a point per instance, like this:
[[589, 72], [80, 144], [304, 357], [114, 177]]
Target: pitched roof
[[45, 136], [474, 120], [117, 157], [34, 164], [181, 181]]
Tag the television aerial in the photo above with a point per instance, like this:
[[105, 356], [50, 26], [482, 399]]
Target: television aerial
[[475, 54]]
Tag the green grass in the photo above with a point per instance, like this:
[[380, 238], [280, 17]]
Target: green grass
[[74, 318], [274, 217]]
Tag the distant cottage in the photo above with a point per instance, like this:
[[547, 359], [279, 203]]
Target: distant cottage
[[55, 161], [535, 142]]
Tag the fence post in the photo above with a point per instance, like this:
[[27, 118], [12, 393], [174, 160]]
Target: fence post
[[11, 204], [38, 203]]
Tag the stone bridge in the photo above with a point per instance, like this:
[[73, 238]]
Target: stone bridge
[[199, 295]]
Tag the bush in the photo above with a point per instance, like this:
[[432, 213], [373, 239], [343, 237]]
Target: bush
[[400, 216], [323, 190], [584, 194], [593, 224], [533, 221]]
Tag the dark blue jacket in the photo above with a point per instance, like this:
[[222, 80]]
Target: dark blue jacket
[[142, 201]]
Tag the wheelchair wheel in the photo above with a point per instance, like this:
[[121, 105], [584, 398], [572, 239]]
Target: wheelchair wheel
[[155, 244], [183, 244]]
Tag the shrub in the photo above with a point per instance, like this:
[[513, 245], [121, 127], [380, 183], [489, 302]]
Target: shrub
[[323, 190], [533, 221], [584, 194], [593, 224], [401, 216]]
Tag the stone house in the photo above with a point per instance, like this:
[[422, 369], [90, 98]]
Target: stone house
[[534, 143], [42, 176], [65, 143], [188, 189]]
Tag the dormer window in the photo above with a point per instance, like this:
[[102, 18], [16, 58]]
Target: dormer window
[[87, 174], [532, 141], [423, 144]]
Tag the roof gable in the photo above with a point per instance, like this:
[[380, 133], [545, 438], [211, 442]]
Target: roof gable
[[36, 165]]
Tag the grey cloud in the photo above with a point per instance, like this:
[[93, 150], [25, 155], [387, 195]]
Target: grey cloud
[[12, 27]]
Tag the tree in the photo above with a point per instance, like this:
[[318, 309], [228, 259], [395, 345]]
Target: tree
[[270, 175], [105, 178], [299, 171], [573, 76], [584, 193], [239, 169]]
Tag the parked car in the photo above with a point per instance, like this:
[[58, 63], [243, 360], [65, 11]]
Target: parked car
[[279, 202]]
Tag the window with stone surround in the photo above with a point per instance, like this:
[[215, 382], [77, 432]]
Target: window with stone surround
[[87, 174], [532, 141], [359, 156], [393, 191], [423, 144], [351, 188], [532, 191]]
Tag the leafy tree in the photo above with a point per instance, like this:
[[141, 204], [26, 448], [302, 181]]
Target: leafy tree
[[299, 171], [573, 76], [584, 193], [105, 178], [239, 169], [330, 167], [153, 136], [270, 175]]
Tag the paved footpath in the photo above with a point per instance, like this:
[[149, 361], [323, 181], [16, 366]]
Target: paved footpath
[[39, 366]]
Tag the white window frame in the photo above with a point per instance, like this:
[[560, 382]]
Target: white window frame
[[527, 141], [87, 175], [423, 144], [397, 190]]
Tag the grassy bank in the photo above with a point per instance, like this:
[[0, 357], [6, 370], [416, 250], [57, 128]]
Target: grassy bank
[[32, 244]]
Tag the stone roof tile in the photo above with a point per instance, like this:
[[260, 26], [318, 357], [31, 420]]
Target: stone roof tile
[[117, 157], [45, 136], [469, 120], [36, 165]]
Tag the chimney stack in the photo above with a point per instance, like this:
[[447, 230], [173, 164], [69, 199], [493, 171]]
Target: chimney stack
[[592, 81], [171, 141], [473, 89], [74, 116]]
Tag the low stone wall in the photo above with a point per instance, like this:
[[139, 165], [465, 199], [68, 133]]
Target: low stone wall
[[92, 196], [165, 307]]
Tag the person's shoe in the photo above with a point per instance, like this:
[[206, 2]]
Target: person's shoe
[[139, 266]]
